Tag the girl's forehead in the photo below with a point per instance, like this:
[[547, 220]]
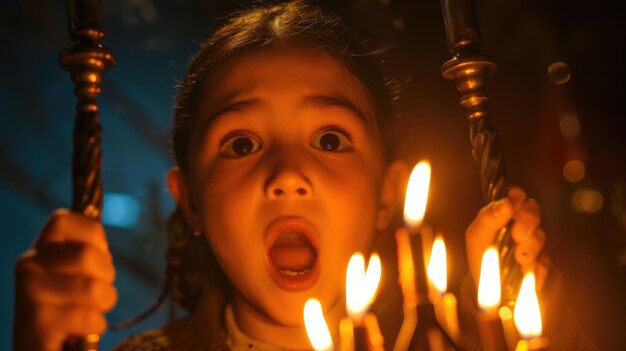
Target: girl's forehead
[[287, 72]]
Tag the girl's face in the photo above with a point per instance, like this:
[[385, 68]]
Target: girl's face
[[285, 181]]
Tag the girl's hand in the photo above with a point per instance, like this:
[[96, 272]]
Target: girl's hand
[[526, 232], [64, 283]]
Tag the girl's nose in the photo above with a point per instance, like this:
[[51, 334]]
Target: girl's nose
[[288, 184]]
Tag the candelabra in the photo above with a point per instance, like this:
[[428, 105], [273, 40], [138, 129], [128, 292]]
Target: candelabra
[[86, 61]]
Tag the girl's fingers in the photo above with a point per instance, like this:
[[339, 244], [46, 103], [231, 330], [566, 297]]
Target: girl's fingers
[[481, 232], [527, 252], [517, 196], [68, 321], [542, 268], [527, 219], [47, 327], [64, 283], [66, 290], [526, 232], [76, 259], [66, 226], [490, 218]]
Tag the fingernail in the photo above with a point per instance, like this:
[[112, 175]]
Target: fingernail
[[499, 207]]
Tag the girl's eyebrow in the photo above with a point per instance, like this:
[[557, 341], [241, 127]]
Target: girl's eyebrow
[[337, 101], [233, 106], [314, 100]]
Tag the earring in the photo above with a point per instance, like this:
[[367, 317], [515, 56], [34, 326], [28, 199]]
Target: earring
[[197, 232]]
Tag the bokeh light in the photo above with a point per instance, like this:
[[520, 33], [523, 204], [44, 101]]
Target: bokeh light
[[569, 125], [587, 200], [120, 210], [559, 72], [574, 171]]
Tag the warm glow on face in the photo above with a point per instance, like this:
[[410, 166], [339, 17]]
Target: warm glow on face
[[361, 285], [527, 315], [437, 267], [489, 282], [316, 327], [417, 194]]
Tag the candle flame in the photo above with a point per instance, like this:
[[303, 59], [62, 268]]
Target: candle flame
[[417, 194], [316, 327], [361, 285], [489, 282], [527, 315], [437, 267]]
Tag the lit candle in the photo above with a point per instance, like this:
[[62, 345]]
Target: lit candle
[[489, 296], [445, 302], [417, 195], [527, 317], [360, 330], [414, 209], [438, 266], [420, 329], [316, 327]]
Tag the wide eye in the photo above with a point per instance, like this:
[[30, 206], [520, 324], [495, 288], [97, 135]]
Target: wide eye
[[240, 146], [332, 140]]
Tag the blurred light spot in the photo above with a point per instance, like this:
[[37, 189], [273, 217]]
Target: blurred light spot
[[120, 210], [586, 200], [505, 313], [574, 171], [559, 72], [398, 24], [569, 124], [147, 10]]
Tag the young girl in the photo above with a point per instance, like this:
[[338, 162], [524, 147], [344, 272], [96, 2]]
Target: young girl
[[281, 175]]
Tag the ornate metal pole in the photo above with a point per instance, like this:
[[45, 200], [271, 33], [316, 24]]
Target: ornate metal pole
[[86, 61], [470, 70]]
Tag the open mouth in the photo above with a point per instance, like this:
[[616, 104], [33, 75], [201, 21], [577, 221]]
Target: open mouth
[[292, 253]]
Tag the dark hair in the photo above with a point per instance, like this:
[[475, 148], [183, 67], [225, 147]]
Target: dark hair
[[190, 260]]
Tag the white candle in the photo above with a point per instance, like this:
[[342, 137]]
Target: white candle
[[414, 209], [445, 302]]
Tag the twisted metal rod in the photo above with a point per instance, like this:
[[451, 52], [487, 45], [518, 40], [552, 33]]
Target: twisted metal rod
[[470, 70], [86, 61]]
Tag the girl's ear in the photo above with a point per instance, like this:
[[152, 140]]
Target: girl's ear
[[392, 194], [177, 183]]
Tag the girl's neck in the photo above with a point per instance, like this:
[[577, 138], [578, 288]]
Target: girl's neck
[[259, 326]]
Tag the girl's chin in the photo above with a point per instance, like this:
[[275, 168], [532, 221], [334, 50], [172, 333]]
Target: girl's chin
[[289, 317]]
